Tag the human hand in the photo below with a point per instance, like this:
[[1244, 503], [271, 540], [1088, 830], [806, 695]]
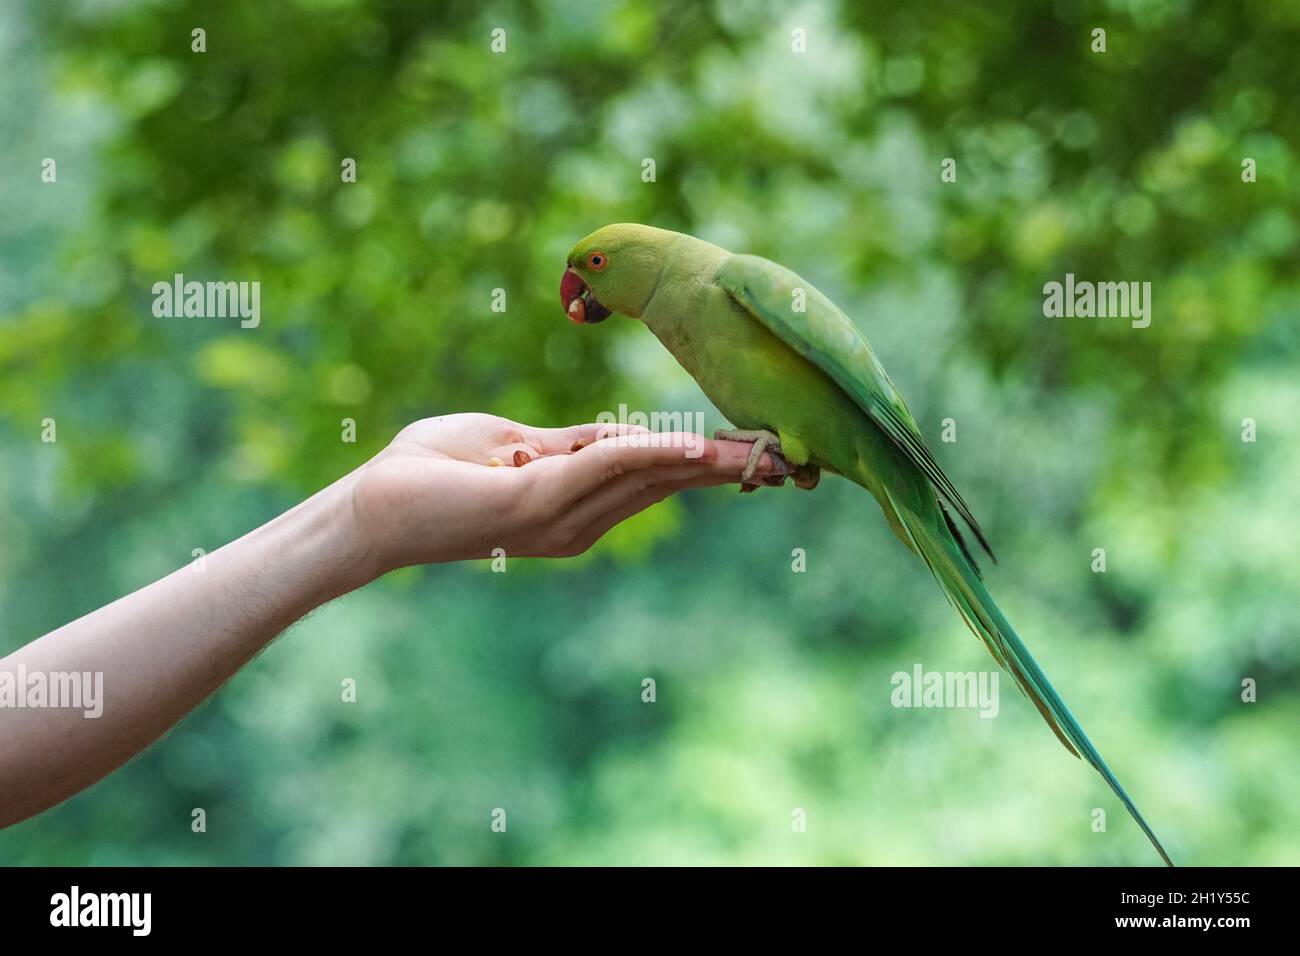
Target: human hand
[[460, 486], [434, 494]]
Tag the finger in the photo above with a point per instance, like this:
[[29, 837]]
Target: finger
[[572, 477], [575, 476], [596, 528], [734, 456], [617, 493], [562, 441]]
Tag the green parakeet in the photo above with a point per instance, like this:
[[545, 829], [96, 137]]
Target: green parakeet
[[797, 378]]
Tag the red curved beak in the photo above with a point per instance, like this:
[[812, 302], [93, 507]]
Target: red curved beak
[[572, 289]]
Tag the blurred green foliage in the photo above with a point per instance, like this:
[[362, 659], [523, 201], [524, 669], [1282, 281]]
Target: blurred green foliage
[[478, 170]]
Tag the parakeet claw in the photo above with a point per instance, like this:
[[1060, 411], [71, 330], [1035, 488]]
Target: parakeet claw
[[806, 476], [764, 441]]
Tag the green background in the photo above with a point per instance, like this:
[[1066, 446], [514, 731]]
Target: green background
[[522, 690]]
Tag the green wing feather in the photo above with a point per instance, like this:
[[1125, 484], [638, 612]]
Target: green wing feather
[[826, 337]]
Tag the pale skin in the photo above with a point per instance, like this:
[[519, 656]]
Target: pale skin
[[435, 494]]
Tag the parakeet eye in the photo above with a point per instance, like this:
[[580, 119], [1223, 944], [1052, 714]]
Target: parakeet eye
[[597, 260]]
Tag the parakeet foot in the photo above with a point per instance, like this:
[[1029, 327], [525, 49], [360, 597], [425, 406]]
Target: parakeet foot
[[763, 441]]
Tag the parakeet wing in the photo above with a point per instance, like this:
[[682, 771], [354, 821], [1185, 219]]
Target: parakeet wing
[[829, 339]]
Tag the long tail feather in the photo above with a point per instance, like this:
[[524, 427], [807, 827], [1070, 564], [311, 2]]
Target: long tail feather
[[961, 583]]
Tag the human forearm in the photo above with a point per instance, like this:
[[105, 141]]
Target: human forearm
[[163, 649]]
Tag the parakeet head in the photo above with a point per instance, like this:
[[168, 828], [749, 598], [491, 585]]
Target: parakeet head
[[615, 269]]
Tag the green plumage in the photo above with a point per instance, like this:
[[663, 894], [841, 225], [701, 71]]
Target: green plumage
[[774, 354]]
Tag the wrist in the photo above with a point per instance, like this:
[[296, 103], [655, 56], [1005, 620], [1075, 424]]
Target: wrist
[[315, 551], [334, 519]]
